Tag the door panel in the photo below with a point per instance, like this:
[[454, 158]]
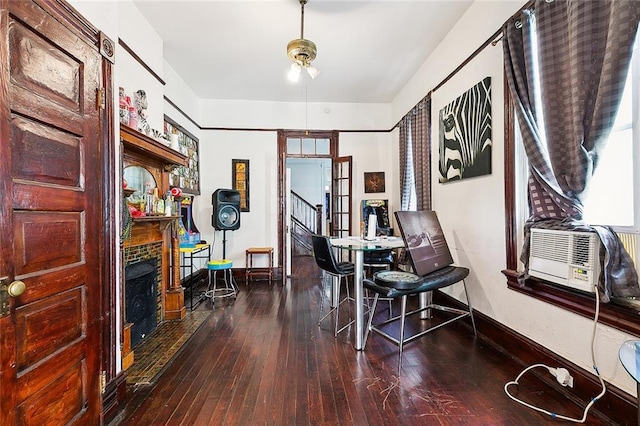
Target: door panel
[[341, 196], [34, 231], [36, 330], [40, 153], [51, 176], [57, 403]]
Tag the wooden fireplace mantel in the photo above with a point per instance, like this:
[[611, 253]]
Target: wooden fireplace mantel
[[159, 159], [142, 145]]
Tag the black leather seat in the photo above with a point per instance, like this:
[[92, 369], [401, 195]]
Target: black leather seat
[[432, 251], [326, 260], [400, 284]]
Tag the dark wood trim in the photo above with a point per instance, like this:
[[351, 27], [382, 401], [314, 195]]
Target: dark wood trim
[[282, 236], [184, 114], [333, 136], [71, 18], [110, 236], [583, 304], [366, 131], [140, 61], [511, 236], [492, 40], [615, 405], [258, 129], [114, 398], [475, 53]]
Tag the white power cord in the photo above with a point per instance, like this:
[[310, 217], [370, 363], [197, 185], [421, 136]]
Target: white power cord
[[564, 378]]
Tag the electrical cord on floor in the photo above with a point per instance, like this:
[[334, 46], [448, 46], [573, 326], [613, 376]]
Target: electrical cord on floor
[[561, 375]]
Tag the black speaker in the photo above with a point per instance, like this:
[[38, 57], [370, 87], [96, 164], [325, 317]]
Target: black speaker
[[226, 210]]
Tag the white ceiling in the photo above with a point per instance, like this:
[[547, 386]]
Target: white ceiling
[[236, 49]]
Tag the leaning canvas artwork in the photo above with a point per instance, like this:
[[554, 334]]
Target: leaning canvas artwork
[[465, 134]]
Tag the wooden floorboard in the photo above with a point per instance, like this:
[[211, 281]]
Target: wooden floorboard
[[262, 359]]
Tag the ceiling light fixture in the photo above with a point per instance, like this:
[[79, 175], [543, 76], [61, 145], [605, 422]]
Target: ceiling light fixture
[[302, 52]]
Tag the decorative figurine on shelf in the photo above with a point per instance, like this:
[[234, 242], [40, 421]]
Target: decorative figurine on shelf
[[141, 104]]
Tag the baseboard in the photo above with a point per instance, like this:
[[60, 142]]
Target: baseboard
[[113, 398], [615, 406]]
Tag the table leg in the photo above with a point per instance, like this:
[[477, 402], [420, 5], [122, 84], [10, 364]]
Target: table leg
[[335, 290], [425, 300], [358, 287]]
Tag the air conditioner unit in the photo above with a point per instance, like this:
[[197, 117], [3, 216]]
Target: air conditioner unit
[[568, 258]]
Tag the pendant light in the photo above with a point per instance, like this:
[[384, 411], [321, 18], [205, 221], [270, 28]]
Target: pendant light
[[301, 52]]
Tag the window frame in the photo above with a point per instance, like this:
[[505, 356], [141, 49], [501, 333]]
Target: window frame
[[617, 316]]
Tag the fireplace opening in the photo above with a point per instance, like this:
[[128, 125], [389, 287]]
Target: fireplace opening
[[140, 298]]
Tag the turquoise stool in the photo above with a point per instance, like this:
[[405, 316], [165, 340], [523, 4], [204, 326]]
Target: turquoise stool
[[230, 289]]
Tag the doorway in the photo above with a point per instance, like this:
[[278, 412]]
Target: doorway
[[309, 199], [299, 148]]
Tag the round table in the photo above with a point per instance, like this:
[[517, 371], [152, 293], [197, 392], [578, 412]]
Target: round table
[[629, 355]]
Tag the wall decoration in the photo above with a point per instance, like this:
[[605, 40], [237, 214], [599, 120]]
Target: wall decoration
[[185, 178], [465, 134], [240, 181], [374, 182]]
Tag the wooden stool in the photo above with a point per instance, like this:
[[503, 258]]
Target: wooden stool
[[252, 271]]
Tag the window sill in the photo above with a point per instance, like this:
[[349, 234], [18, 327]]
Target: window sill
[[626, 319]]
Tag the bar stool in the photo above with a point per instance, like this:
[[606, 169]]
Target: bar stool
[[230, 287], [252, 271]]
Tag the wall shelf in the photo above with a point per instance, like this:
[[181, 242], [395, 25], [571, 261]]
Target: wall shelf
[[142, 144]]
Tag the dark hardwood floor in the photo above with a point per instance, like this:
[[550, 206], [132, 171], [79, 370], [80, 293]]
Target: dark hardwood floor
[[263, 360]]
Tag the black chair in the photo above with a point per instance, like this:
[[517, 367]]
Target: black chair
[[401, 284], [326, 260], [375, 261]]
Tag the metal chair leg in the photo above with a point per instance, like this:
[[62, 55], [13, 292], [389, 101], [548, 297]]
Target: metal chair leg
[[466, 294], [403, 311], [371, 312]]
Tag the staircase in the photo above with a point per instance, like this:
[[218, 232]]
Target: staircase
[[306, 220]]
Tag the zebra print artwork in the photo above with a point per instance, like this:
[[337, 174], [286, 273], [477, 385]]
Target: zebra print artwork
[[465, 134]]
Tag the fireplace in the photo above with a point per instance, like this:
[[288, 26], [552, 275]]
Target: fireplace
[[141, 288]]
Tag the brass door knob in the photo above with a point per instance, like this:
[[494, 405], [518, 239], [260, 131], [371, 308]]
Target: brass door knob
[[16, 288]]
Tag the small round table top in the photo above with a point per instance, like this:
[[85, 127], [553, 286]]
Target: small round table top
[[629, 354]]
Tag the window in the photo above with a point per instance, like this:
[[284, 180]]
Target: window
[[409, 196], [307, 146], [615, 169], [613, 199]]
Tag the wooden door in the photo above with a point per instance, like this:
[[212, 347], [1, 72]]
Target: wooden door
[[341, 196], [50, 219]]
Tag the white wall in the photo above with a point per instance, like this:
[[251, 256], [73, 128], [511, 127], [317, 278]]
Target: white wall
[[258, 227], [472, 210], [310, 177], [371, 152]]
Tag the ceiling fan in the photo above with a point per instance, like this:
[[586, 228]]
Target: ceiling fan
[[302, 52]]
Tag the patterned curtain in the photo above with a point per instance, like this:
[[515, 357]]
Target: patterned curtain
[[415, 146], [421, 143], [406, 177], [584, 50]]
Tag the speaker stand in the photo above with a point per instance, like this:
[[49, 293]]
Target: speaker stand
[[224, 244]]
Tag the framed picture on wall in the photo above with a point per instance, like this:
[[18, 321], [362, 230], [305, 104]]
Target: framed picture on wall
[[374, 182], [240, 181], [185, 178], [465, 134]]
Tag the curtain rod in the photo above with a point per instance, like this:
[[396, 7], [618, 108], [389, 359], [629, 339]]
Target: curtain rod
[[493, 40]]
